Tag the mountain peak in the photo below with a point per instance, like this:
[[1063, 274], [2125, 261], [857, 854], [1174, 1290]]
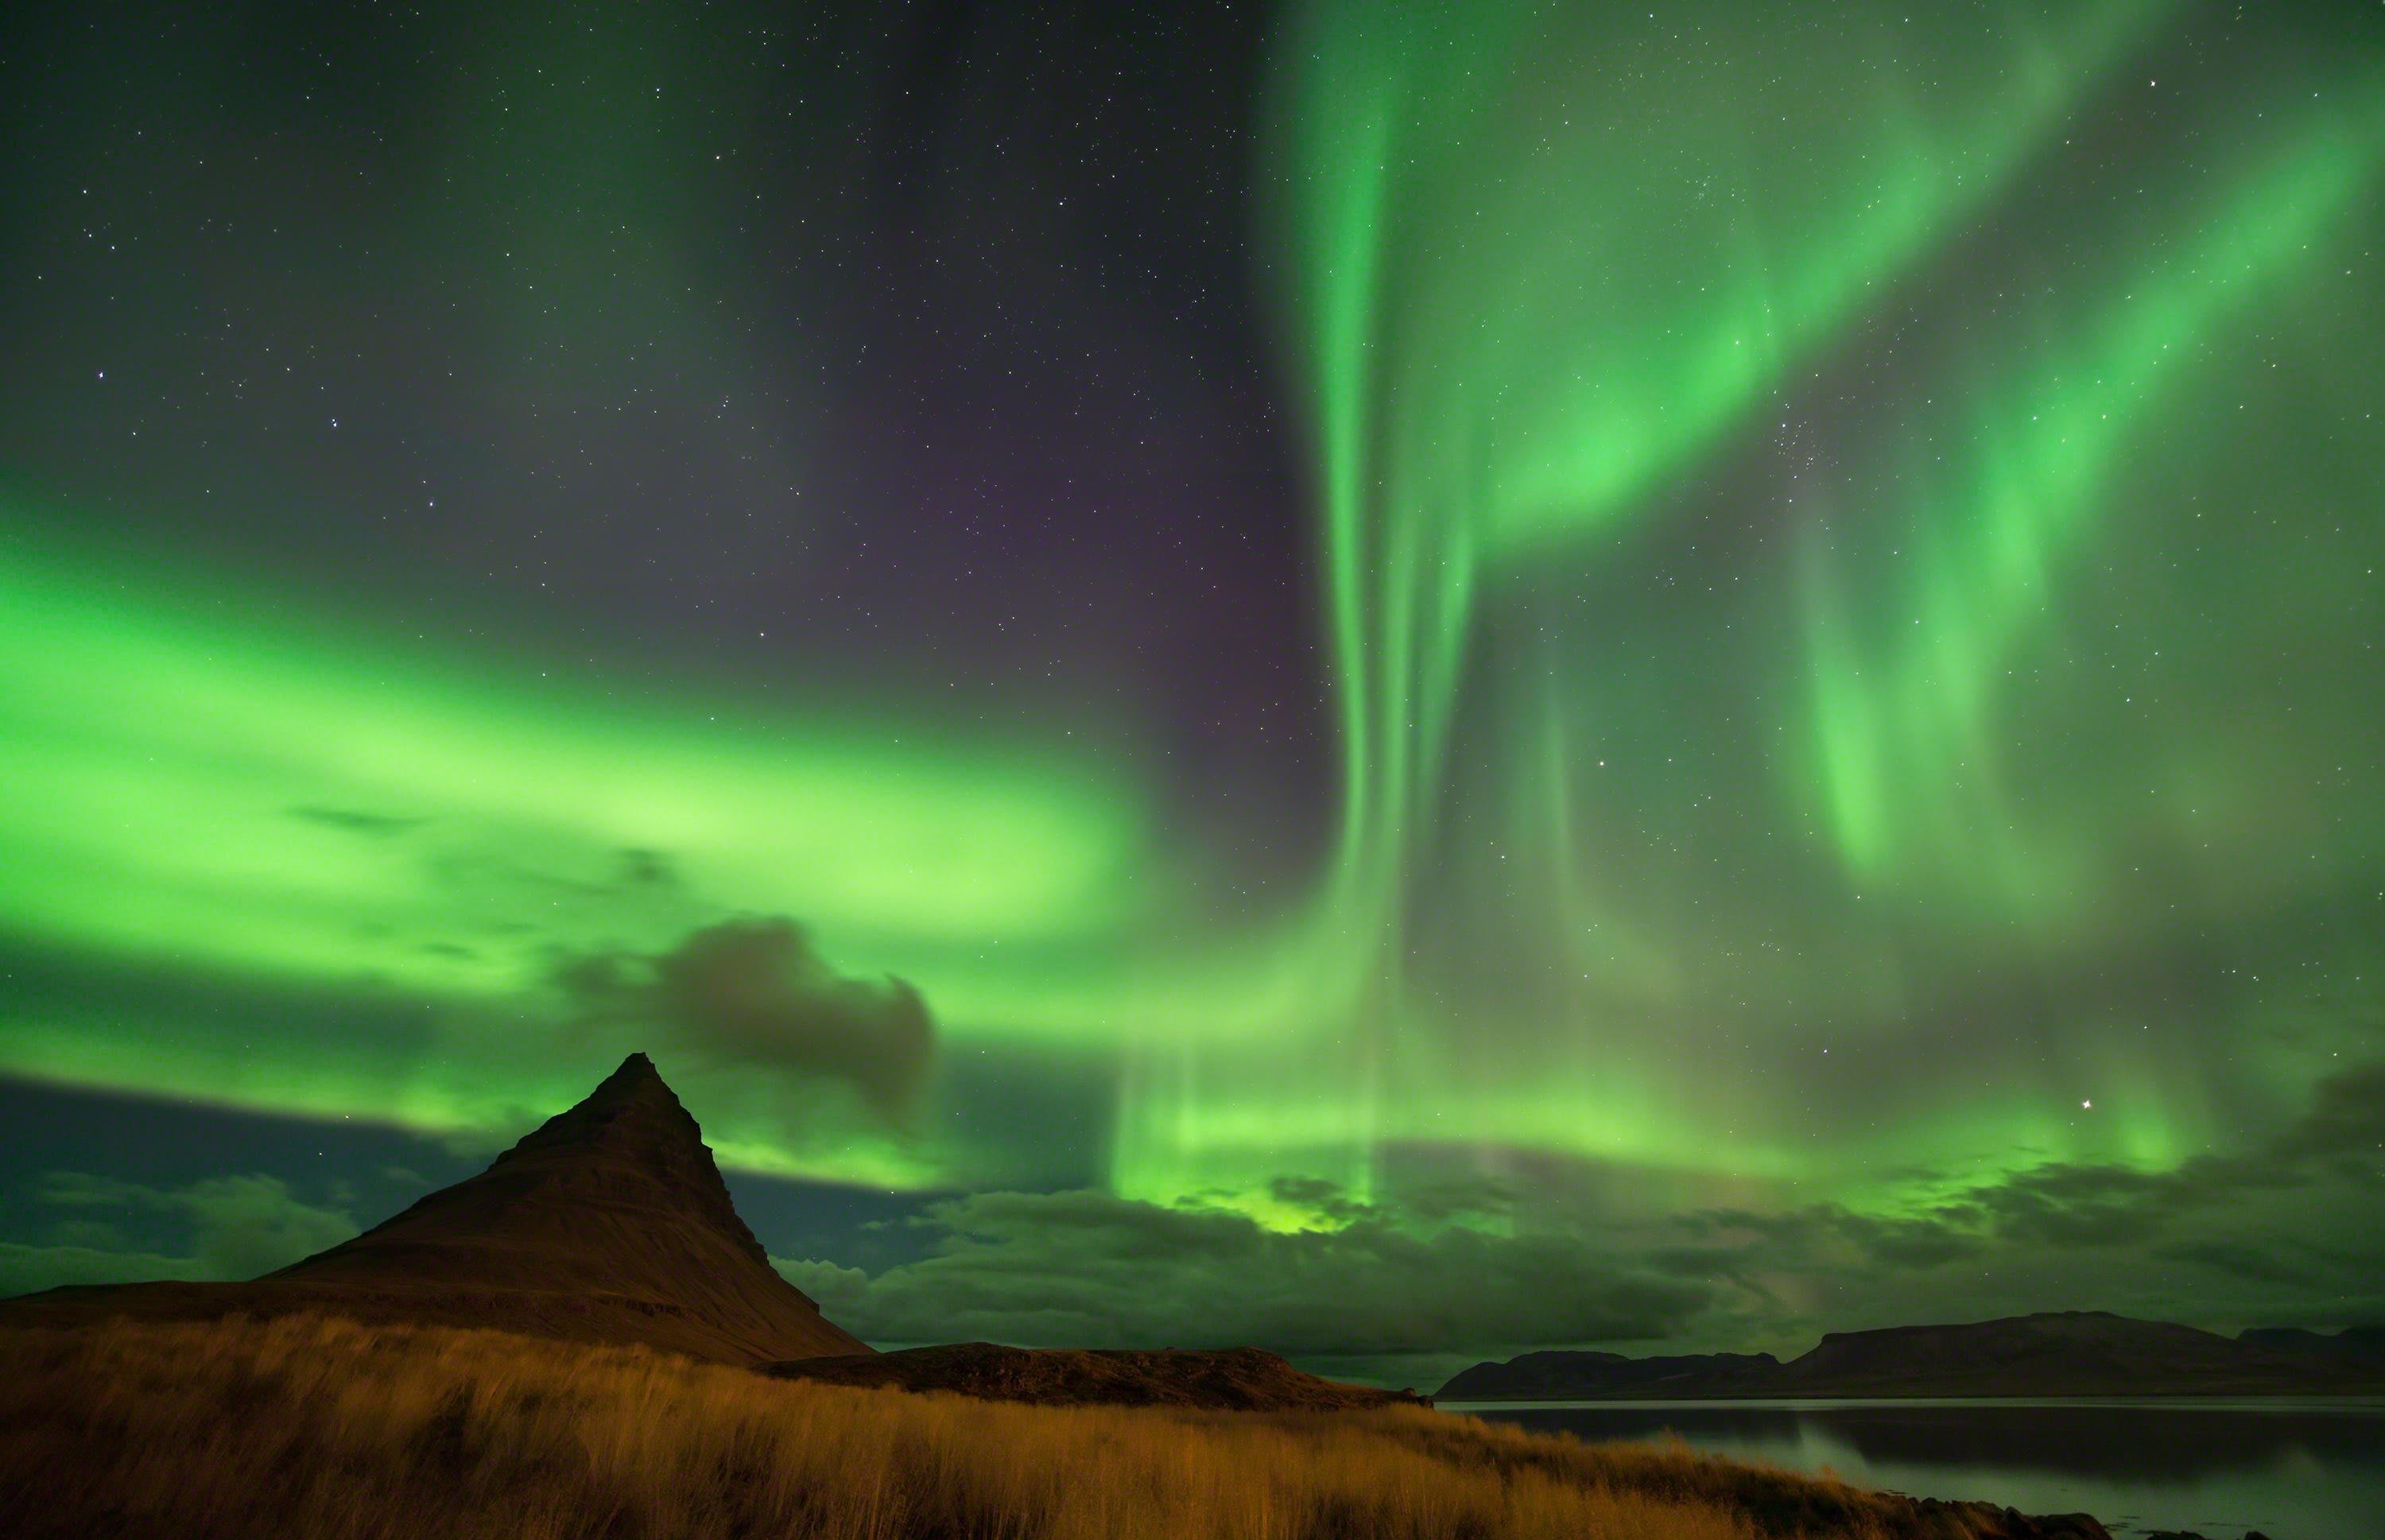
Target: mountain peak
[[627, 1147], [636, 1090], [614, 1204], [633, 1070], [635, 1080]]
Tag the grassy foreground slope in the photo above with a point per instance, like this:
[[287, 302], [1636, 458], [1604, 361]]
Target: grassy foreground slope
[[310, 1426]]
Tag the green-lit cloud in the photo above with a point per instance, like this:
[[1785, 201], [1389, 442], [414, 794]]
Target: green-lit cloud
[[230, 1226]]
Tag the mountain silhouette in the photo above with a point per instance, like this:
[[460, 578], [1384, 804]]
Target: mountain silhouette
[[609, 1223], [2352, 1345], [2055, 1353]]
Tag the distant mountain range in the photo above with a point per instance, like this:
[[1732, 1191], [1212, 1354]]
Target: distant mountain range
[[2352, 1345], [2063, 1353]]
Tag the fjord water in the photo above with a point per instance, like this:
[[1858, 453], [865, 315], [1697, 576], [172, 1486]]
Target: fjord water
[[2294, 1470]]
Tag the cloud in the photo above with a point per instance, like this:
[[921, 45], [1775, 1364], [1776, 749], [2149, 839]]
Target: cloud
[[836, 1290], [646, 869], [1445, 1267], [2221, 1240], [1086, 1268], [31, 1269], [357, 822], [2340, 1140], [232, 1226], [757, 991]]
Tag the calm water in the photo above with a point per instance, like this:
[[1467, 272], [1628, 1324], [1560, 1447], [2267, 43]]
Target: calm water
[[2293, 1470]]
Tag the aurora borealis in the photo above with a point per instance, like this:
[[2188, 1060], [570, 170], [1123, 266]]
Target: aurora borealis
[[1404, 680]]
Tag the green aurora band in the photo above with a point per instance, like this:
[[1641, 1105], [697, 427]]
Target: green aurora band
[[1750, 815]]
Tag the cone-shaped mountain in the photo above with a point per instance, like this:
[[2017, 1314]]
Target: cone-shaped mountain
[[609, 1223]]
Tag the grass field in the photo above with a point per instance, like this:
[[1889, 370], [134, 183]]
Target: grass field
[[305, 1426]]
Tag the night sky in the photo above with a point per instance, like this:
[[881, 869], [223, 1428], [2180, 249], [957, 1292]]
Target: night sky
[[1400, 680]]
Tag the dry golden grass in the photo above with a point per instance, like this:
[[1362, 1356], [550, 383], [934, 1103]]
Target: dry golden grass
[[305, 1426]]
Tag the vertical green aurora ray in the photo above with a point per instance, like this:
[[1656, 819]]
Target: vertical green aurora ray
[[1549, 268], [1520, 319], [1906, 691], [1509, 336]]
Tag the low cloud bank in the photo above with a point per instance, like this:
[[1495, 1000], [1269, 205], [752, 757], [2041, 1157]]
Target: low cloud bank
[[233, 1226], [1472, 1267]]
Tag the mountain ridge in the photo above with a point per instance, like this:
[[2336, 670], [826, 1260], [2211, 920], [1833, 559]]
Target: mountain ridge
[[2060, 1352]]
